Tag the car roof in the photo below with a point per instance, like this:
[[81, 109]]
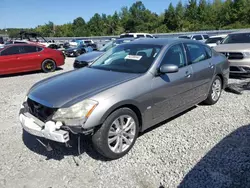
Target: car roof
[[126, 38], [161, 41], [135, 34], [216, 36], [241, 31], [25, 44]]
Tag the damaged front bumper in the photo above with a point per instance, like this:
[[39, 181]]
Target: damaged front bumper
[[49, 130]]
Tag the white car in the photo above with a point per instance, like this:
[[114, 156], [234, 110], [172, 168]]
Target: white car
[[136, 35], [199, 37], [214, 40]]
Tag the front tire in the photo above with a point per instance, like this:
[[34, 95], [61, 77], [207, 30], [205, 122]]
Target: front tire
[[117, 134], [48, 65], [214, 92]]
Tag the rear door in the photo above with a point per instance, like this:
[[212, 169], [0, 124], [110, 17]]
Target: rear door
[[172, 92], [200, 58], [9, 60]]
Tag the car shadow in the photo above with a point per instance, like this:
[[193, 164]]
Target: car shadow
[[27, 73], [59, 150], [225, 165], [238, 88], [166, 121]]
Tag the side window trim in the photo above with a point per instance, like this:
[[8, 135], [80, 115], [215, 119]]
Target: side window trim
[[166, 51], [188, 54]]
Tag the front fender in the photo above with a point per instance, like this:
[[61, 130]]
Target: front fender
[[119, 105]]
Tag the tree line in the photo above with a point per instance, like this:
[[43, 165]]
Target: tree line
[[192, 16]]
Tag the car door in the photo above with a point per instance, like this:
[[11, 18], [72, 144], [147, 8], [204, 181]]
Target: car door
[[171, 92], [29, 58], [9, 60], [202, 66]]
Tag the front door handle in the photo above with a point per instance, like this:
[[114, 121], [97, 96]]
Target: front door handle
[[188, 74], [211, 65]]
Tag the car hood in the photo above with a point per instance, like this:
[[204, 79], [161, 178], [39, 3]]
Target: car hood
[[89, 57], [241, 47], [69, 88]]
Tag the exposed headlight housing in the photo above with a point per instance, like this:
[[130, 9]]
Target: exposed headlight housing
[[76, 114], [246, 54]]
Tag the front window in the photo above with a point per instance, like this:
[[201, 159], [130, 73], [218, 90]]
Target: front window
[[237, 38], [129, 58]]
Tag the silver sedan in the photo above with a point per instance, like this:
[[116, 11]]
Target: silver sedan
[[129, 89]]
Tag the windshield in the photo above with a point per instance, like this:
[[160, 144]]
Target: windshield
[[213, 40], [107, 46], [237, 38], [129, 58]]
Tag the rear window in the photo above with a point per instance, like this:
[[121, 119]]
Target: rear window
[[197, 37], [205, 36], [140, 36], [126, 36]]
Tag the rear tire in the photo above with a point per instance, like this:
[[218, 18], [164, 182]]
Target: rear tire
[[214, 92], [117, 134], [48, 65]]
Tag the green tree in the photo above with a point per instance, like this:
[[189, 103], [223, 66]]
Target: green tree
[[170, 18]]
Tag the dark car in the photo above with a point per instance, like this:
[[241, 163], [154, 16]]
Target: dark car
[[76, 51], [127, 90], [86, 59], [1, 40]]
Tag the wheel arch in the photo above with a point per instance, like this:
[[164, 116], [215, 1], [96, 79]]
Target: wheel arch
[[125, 104]]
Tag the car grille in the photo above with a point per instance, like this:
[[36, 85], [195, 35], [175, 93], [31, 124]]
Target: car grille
[[232, 68], [233, 55], [40, 111]]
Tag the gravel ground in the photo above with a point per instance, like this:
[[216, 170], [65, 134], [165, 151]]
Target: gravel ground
[[208, 146]]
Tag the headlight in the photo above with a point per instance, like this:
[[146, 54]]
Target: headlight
[[246, 54], [81, 110], [75, 50]]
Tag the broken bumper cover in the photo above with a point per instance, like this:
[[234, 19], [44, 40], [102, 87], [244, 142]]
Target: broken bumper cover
[[49, 130]]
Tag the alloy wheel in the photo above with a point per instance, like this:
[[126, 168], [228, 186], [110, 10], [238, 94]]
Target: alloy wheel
[[121, 133]]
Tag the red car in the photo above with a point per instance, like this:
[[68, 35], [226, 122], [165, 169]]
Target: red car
[[29, 57]]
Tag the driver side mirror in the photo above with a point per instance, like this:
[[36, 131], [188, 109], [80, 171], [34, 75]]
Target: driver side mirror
[[168, 68], [83, 64]]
